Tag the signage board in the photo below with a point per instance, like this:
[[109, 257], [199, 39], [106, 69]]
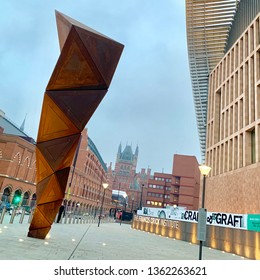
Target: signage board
[[253, 222], [202, 224], [230, 220]]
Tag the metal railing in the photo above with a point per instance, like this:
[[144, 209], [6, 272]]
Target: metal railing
[[74, 217]]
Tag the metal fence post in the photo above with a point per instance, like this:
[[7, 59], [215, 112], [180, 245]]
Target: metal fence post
[[2, 215], [22, 216]]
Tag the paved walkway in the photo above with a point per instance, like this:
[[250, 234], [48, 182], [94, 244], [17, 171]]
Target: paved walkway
[[110, 241]]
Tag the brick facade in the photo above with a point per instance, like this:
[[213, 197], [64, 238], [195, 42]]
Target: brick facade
[[125, 178], [84, 187], [233, 127], [181, 188], [17, 169]]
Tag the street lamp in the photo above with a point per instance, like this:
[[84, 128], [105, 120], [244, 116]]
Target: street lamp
[[133, 198], [117, 199], [141, 200], [204, 170], [125, 196], [121, 218], [105, 185]]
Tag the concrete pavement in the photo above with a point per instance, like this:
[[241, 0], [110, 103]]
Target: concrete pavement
[[110, 241]]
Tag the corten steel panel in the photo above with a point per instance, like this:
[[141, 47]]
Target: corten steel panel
[[78, 84], [43, 169], [75, 102], [75, 68], [105, 53], [53, 187], [58, 151], [54, 123]]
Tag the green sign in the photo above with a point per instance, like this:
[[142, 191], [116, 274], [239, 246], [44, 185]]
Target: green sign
[[253, 222]]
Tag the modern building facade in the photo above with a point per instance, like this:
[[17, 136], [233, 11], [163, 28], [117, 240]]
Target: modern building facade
[[208, 23], [233, 111], [233, 142], [181, 188], [160, 191]]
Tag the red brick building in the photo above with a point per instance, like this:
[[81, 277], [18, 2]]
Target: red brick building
[[186, 180], [84, 185], [125, 178], [181, 188], [18, 171]]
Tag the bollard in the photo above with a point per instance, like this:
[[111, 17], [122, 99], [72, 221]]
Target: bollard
[[30, 217], [66, 218], [12, 217], [22, 216], [2, 215]]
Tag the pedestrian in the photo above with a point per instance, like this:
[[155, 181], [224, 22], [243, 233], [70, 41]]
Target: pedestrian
[[61, 210]]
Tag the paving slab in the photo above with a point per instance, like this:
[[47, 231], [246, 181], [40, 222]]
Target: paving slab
[[109, 241]]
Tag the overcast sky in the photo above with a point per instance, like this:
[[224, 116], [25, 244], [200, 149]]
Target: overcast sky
[[149, 102]]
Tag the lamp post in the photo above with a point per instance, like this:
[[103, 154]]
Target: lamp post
[[125, 203], [96, 209], [105, 185], [133, 198], [125, 196], [117, 199], [204, 170], [141, 200]]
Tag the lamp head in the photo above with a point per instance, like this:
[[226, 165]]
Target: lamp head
[[105, 185], [204, 169]]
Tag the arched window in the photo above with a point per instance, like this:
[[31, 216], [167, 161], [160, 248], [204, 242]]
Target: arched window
[[26, 198], [18, 157], [7, 194], [17, 197], [26, 162], [33, 200]]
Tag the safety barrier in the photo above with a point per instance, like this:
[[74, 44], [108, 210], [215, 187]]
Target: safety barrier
[[19, 216]]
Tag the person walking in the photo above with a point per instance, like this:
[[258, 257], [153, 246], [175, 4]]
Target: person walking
[[61, 210]]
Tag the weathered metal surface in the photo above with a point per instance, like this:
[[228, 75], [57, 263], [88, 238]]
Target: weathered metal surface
[[78, 83]]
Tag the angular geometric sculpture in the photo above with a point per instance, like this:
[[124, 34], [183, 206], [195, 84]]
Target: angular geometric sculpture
[[78, 83]]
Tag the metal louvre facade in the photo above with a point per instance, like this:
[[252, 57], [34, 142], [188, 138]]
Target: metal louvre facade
[[246, 12], [208, 24]]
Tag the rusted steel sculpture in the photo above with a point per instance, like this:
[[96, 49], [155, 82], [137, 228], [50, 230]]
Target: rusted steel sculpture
[[78, 83]]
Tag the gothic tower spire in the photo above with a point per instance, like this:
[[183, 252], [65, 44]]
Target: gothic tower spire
[[23, 123]]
